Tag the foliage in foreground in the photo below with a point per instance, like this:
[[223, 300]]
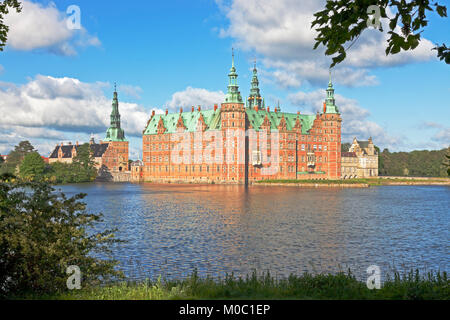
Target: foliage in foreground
[[342, 22], [410, 286], [5, 7], [42, 233]]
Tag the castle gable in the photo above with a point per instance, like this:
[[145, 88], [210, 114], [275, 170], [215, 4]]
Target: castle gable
[[211, 119]]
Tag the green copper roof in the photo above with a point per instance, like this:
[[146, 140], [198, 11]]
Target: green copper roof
[[255, 99], [212, 120], [256, 119], [233, 94], [190, 120], [114, 132]]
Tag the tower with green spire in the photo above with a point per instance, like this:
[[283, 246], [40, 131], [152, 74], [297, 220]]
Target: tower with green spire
[[233, 94], [330, 102], [255, 99], [115, 132]]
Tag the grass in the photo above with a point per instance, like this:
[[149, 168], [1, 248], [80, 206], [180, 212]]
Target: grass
[[370, 181], [410, 286]]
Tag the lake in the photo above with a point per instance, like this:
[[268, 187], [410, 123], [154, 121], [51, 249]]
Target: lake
[[218, 229]]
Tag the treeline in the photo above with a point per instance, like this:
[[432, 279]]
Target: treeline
[[422, 163], [26, 163]]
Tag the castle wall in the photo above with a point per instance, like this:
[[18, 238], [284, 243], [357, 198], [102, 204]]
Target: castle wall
[[315, 155]]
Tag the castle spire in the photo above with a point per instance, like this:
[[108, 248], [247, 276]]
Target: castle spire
[[233, 94], [330, 102], [254, 99], [115, 132]]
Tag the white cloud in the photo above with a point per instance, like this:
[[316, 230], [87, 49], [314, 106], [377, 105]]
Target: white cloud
[[195, 96], [49, 109], [280, 31], [355, 122], [40, 27], [1, 69], [442, 137]]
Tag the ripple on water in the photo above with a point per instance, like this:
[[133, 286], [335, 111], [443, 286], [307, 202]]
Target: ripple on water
[[172, 229]]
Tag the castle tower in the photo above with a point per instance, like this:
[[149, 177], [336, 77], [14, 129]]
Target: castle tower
[[116, 156], [233, 130], [331, 126]]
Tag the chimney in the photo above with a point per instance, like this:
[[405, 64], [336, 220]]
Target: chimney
[[276, 110], [324, 107], [167, 112], [215, 107], [298, 113], [256, 108], [199, 108], [77, 143], [268, 109], [181, 110], [193, 109], [153, 113]]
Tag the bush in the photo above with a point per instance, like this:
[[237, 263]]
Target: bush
[[42, 233]]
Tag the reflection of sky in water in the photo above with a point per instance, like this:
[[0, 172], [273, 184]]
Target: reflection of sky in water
[[172, 229]]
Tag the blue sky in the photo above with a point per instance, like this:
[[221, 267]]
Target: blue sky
[[56, 85]]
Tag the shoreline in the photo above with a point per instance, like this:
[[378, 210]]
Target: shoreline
[[350, 183]]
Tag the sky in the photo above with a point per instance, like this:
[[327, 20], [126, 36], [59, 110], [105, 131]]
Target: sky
[[57, 83]]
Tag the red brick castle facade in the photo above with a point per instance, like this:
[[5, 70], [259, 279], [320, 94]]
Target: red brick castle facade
[[242, 142]]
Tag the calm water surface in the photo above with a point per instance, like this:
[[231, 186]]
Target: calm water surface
[[172, 229]]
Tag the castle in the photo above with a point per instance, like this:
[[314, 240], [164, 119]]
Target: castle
[[239, 142], [361, 161], [242, 141]]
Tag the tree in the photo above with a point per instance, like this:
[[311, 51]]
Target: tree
[[16, 157], [32, 167], [42, 233], [380, 160], [344, 21], [84, 164], [5, 5], [446, 162], [345, 146], [1, 160]]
